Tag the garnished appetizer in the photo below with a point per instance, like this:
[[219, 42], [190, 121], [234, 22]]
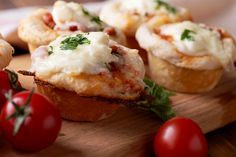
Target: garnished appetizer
[[43, 26], [130, 14], [6, 51], [88, 76], [187, 57]]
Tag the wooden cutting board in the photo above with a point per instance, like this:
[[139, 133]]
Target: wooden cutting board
[[130, 132]]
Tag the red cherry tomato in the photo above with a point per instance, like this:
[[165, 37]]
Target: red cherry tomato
[[40, 127], [8, 81], [180, 137]]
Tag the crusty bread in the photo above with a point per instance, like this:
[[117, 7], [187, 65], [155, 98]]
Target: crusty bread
[[182, 79], [34, 31], [77, 108]]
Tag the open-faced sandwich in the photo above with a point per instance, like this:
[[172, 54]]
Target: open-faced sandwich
[[128, 15], [6, 51], [87, 75], [187, 57], [43, 26]]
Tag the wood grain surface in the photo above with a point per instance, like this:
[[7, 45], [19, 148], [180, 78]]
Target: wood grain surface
[[222, 142], [130, 132]]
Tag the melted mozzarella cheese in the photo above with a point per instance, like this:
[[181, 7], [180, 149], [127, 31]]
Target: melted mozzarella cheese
[[64, 12], [205, 42], [86, 58], [6, 51], [141, 6]]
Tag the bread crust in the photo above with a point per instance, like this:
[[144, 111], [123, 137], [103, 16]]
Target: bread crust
[[182, 79], [77, 108], [34, 31]]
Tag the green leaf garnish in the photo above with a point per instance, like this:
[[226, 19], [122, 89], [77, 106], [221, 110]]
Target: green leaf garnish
[[187, 35], [157, 100], [168, 7], [71, 43], [85, 11], [50, 51], [93, 18], [96, 19]]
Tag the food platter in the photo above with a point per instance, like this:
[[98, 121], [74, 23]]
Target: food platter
[[131, 130]]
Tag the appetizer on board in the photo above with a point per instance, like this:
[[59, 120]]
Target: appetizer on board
[[185, 56], [87, 75], [43, 26], [6, 51], [130, 14]]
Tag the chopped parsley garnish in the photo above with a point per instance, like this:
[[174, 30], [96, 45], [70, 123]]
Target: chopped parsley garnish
[[168, 7], [96, 19], [71, 43], [186, 35], [85, 11], [93, 18], [157, 100], [50, 51]]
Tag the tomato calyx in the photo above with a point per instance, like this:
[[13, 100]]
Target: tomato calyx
[[21, 112], [13, 78]]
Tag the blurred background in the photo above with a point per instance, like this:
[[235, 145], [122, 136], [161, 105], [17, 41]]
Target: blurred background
[[7, 4], [220, 13]]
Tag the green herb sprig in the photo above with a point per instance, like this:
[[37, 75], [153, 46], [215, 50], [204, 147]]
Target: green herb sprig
[[157, 100], [71, 43], [187, 35], [93, 18], [168, 7], [50, 50]]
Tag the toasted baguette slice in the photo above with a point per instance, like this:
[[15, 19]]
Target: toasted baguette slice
[[182, 79], [77, 108]]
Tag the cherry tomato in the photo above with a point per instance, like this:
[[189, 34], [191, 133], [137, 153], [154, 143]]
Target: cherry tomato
[[30, 122], [180, 137], [8, 81]]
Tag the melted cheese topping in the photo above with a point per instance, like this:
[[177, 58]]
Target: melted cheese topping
[[66, 14], [143, 6], [87, 58], [205, 42], [206, 52], [6, 51]]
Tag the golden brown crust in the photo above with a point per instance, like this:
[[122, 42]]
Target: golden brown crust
[[33, 29], [77, 108], [182, 79]]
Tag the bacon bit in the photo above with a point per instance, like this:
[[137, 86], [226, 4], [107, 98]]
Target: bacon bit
[[114, 66], [73, 28], [165, 37], [157, 30], [114, 48], [149, 15], [110, 31], [135, 13], [48, 20]]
